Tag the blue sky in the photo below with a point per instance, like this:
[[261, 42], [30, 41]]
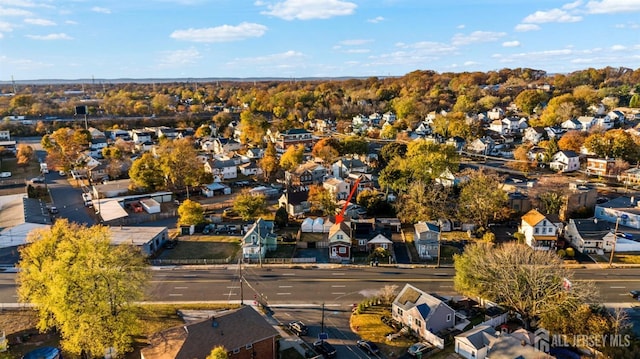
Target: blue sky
[[109, 39]]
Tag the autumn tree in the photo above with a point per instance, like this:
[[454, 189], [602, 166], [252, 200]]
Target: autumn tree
[[83, 286], [146, 173], [559, 109], [549, 193], [615, 143], [253, 126], [528, 100], [24, 155], [572, 141], [521, 157], [292, 157], [218, 352], [482, 198], [388, 132], [269, 161], [374, 202], [424, 202], [190, 213], [321, 200], [65, 146], [531, 283], [354, 145], [326, 149], [179, 163], [249, 206]]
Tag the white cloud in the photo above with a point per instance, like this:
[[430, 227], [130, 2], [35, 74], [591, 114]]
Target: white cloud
[[355, 42], [572, 5], [18, 3], [290, 55], [179, 58], [224, 33], [357, 51], [39, 22], [527, 27], [101, 10], [5, 11], [58, 36], [618, 48], [514, 43], [5, 27], [376, 20], [461, 26], [476, 37], [613, 6], [71, 22], [309, 9], [554, 15]]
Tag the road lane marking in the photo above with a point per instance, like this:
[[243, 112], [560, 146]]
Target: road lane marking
[[233, 287], [285, 286], [180, 287], [338, 286], [175, 294], [337, 273], [446, 286], [617, 287], [190, 275], [283, 293], [338, 293], [291, 274]]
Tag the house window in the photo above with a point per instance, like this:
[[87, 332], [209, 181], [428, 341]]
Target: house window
[[342, 250], [399, 311], [448, 317], [537, 230], [544, 230], [253, 238], [248, 346], [236, 351], [339, 236]]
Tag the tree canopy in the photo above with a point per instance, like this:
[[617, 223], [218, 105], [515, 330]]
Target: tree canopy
[[249, 206], [190, 213], [83, 286]]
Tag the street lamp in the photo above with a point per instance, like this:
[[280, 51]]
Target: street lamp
[[615, 238]]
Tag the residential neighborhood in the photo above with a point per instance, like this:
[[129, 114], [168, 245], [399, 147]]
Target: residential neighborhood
[[375, 189]]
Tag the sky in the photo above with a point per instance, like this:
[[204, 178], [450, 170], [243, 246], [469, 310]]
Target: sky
[[141, 39]]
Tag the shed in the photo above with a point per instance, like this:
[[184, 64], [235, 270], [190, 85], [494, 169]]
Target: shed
[[307, 225], [150, 205], [318, 225]]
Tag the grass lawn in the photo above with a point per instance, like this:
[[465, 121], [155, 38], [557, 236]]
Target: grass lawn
[[454, 236], [618, 257], [203, 247], [369, 326]]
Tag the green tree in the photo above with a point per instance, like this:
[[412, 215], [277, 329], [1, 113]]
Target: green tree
[[615, 143], [388, 132], [190, 213], [83, 286], [146, 173], [253, 127], [249, 206], [65, 146], [528, 100], [179, 163], [281, 218], [354, 145], [322, 200], [392, 150], [634, 102], [424, 202], [529, 282], [482, 198], [218, 353], [292, 157]]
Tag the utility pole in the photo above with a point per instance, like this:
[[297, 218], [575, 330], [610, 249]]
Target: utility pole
[[241, 289], [615, 239]]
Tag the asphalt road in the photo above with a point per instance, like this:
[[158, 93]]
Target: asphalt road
[[341, 286], [68, 200]]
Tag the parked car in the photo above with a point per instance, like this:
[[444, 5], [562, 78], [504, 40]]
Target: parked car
[[418, 349], [5, 174], [221, 229], [136, 207], [53, 209], [368, 346], [327, 350], [298, 328], [209, 228], [37, 180], [634, 294]]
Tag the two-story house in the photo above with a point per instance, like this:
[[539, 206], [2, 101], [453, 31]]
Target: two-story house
[[539, 231], [339, 188], [565, 161], [296, 203], [221, 169], [534, 134], [344, 166], [426, 239], [292, 137], [589, 235], [600, 166], [306, 174], [340, 242], [515, 124], [141, 136], [258, 240], [424, 314]]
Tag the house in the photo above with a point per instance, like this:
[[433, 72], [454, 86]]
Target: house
[[457, 142], [497, 126], [255, 153], [518, 202], [534, 134], [539, 231], [565, 161], [380, 241], [344, 166], [588, 235], [292, 137], [226, 329], [624, 209], [536, 153], [474, 343], [340, 242], [586, 122], [215, 188], [250, 169], [426, 239], [555, 132], [295, 203], [482, 145], [141, 136], [449, 179], [580, 197], [259, 240], [631, 176], [306, 174], [339, 188], [600, 166], [571, 124], [221, 169], [149, 240], [389, 117], [425, 315], [495, 113], [514, 124], [605, 122]]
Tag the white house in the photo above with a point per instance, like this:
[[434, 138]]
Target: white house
[[565, 161], [338, 187], [539, 231]]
